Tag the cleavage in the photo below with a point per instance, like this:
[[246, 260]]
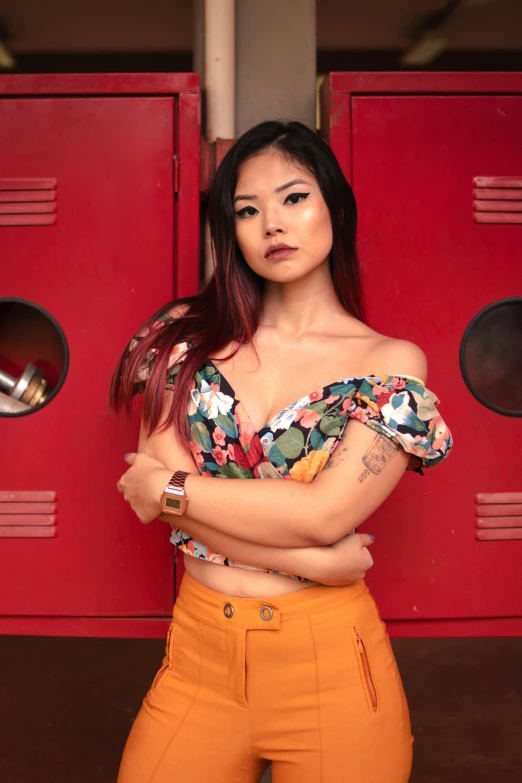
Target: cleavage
[[256, 391]]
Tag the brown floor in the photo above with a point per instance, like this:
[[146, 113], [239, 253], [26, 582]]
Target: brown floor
[[67, 705]]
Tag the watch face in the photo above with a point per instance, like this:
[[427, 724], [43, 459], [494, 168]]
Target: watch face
[[172, 503]]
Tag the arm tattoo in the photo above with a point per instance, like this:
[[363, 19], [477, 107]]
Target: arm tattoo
[[336, 458], [381, 451], [378, 455]]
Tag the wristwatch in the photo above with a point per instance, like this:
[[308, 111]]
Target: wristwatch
[[173, 498]]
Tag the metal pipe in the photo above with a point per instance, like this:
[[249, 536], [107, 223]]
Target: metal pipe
[[10, 405], [220, 69], [219, 79], [7, 381]]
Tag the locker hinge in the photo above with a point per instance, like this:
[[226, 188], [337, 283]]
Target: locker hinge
[[176, 175]]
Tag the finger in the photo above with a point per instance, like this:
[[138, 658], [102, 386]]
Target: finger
[[366, 539], [129, 458], [119, 486], [367, 560]]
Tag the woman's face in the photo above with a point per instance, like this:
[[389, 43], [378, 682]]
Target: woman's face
[[279, 203]]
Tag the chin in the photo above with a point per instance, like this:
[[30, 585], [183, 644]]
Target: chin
[[282, 275], [284, 271]]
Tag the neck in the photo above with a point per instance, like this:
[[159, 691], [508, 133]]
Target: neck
[[301, 306]]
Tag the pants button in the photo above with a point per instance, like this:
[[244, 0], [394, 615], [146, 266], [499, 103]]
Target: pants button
[[266, 613], [228, 610]]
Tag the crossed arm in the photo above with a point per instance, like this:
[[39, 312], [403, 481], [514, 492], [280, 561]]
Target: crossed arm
[[347, 560], [359, 476], [285, 525]]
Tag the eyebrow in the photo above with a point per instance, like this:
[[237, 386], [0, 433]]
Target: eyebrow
[[277, 190]]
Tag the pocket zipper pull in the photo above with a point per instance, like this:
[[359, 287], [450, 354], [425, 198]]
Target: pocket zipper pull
[[366, 669]]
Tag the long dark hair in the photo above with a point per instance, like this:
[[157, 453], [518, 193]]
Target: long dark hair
[[228, 307]]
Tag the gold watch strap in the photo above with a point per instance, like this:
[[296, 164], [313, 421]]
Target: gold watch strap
[[178, 479]]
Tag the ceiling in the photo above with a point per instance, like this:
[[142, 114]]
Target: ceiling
[[383, 24], [166, 25]]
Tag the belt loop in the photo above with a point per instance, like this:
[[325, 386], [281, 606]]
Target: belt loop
[[236, 657]]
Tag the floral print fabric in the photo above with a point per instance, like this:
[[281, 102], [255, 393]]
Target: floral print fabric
[[299, 440]]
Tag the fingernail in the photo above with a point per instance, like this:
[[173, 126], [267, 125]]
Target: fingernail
[[372, 537], [126, 455]]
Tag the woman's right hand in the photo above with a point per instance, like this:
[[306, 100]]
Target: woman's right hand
[[348, 559]]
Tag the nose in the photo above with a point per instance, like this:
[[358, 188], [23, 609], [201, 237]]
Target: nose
[[274, 223]]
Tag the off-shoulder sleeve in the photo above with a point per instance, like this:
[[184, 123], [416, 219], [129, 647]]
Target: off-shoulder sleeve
[[404, 410], [144, 370]]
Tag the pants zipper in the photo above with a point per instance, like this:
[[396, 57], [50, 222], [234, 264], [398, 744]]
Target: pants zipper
[[367, 674], [167, 644]]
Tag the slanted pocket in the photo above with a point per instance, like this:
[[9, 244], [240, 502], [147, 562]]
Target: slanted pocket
[[166, 658], [365, 671]]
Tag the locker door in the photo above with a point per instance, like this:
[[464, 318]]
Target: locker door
[[429, 269], [99, 260]]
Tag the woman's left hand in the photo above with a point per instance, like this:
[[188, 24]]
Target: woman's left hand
[[142, 485]]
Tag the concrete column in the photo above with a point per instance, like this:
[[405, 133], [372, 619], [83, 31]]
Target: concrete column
[[275, 61]]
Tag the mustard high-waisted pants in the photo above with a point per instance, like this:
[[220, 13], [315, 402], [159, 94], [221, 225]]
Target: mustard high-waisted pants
[[306, 680]]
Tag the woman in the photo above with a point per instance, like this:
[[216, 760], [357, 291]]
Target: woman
[[282, 655]]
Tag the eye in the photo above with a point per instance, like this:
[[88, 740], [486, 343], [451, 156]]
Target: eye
[[295, 198], [245, 213]]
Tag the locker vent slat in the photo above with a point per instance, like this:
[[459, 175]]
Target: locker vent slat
[[498, 516], [497, 199], [27, 514], [16, 196], [27, 202]]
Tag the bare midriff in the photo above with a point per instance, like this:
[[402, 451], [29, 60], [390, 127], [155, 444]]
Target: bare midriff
[[240, 582]]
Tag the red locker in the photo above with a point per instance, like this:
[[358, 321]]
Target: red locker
[[435, 161], [99, 226]]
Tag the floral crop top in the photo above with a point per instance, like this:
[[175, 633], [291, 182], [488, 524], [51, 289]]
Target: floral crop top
[[298, 441]]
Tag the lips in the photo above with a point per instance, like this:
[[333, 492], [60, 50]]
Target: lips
[[279, 250]]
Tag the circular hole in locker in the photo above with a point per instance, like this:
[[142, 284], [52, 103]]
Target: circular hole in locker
[[491, 358], [34, 357]]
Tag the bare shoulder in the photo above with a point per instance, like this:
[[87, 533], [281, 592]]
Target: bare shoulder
[[399, 357], [389, 355]]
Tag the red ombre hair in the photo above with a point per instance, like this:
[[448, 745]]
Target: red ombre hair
[[228, 307]]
